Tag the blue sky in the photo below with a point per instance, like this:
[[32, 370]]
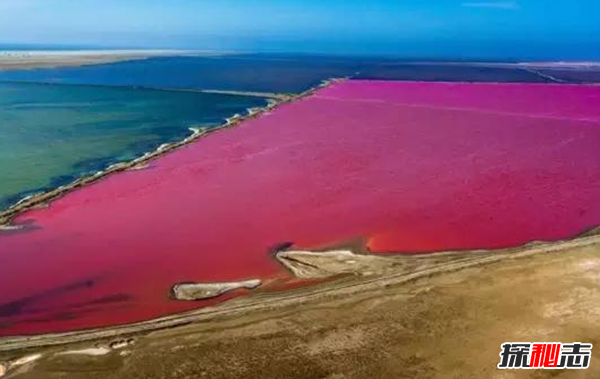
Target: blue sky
[[438, 28]]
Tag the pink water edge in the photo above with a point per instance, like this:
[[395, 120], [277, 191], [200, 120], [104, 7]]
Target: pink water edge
[[409, 167]]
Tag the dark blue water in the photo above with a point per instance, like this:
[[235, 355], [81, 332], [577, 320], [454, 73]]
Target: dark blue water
[[450, 73], [574, 75], [266, 73], [253, 73]]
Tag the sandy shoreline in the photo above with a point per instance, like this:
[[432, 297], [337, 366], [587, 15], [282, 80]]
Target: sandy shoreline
[[19, 60], [373, 286], [377, 271], [43, 199]]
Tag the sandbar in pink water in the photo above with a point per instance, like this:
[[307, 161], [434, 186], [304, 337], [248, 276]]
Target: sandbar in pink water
[[412, 167]]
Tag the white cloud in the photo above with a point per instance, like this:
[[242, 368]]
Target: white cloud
[[493, 4]]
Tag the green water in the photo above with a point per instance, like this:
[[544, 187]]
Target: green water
[[53, 134]]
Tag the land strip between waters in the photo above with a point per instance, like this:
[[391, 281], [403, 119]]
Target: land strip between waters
[[43, 199], [268, 95], [264, 95]]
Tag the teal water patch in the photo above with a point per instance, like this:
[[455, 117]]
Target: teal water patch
[[51, 135]]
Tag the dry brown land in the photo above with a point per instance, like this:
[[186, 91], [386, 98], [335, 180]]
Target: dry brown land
[[437, 316]]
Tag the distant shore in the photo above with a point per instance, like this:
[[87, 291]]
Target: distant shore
[[18, 60]]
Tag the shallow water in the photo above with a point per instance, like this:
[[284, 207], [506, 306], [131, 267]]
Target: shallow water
[[53, 134], [410, 167]]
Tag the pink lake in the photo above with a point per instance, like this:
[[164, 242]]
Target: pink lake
[[409, 167]]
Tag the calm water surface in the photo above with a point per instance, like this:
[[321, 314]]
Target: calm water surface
[[53, 134]]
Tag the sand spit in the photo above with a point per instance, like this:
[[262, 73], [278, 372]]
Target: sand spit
[[99, 350], [9, 228], [314, 265], [45, 198], [18, 60], [325, 264], [22, 362], [268, 95], [200, 291], [93, 351], [367, 273]]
